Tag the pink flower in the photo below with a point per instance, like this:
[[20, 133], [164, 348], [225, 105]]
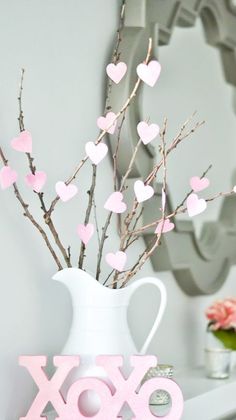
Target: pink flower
[[222, 314]]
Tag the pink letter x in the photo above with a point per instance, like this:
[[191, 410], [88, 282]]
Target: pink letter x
[[48, 389]]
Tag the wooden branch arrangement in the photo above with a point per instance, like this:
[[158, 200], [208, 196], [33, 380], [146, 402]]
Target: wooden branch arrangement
[[147, 72]]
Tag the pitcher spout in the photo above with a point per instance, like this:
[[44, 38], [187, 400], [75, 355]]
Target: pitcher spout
[[82, 286], [67, 274]]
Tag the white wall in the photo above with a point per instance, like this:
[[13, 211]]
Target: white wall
[[64, 47]]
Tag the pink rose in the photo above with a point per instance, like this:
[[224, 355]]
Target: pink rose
[[222, 314]]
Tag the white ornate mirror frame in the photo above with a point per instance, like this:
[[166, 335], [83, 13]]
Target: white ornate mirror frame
[[200, 266]]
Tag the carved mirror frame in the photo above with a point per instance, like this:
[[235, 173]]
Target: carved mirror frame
[[200, 266]]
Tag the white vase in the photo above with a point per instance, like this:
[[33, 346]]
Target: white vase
[[99, 323]]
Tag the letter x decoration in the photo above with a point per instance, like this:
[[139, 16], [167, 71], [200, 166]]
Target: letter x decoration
[[200, 266], [125, 390]]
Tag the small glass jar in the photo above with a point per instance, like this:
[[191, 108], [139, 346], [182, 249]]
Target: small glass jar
[[217, 357], [159, 397], [217, 363]]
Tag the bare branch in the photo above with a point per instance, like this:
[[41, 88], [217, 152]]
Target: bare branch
[[177, 140], [149, 250], [179, 208], [96, 220], [103, 239], [104, 132], [123, 109], [116, 53], [29, 215], [115, 155], [88, 213], [32, 167]]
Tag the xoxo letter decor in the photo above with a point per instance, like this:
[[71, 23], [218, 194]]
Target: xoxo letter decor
[[126, 390]]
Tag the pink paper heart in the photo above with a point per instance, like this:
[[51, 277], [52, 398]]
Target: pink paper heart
[[85, 232], [117, 71], [36, 181], [107, 123], [147, 132], [22, 143], [195, 205], [149, 73], [65, 192], [115, 203], [7, 177], [199, 184], [142, 192], [96, 152], [117, 260], [167, 226]]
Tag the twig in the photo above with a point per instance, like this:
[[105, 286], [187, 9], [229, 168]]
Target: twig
[[21, 115], [123, 109], [32, 167], [130, 165], [109, 275], [122, 186], [115, 155], [191, 191], [177, 140], [96, 220], [104, 132], [177, 210], [29, 215], [4, 159], [88, 213], [148, 252], [128, 244], [115, 59], [102, 242], [116, 53], [142, 259], [129, 241]]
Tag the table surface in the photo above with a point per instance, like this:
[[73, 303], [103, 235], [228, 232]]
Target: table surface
[[206, 399], [212, 399]]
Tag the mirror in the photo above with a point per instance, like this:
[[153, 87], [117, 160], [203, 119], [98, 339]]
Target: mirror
[[196, 77], [193, 80]]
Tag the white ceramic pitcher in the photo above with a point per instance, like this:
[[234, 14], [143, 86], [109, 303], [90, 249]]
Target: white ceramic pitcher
[[99, 322]]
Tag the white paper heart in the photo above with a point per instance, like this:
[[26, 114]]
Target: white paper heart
[[149, 73], [115, 203], [142, 192], [107, 123], [96, 153], [147, 132], [195, 205], [117, 71]]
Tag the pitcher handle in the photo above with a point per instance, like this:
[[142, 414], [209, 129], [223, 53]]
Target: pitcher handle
[[158, 283]]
